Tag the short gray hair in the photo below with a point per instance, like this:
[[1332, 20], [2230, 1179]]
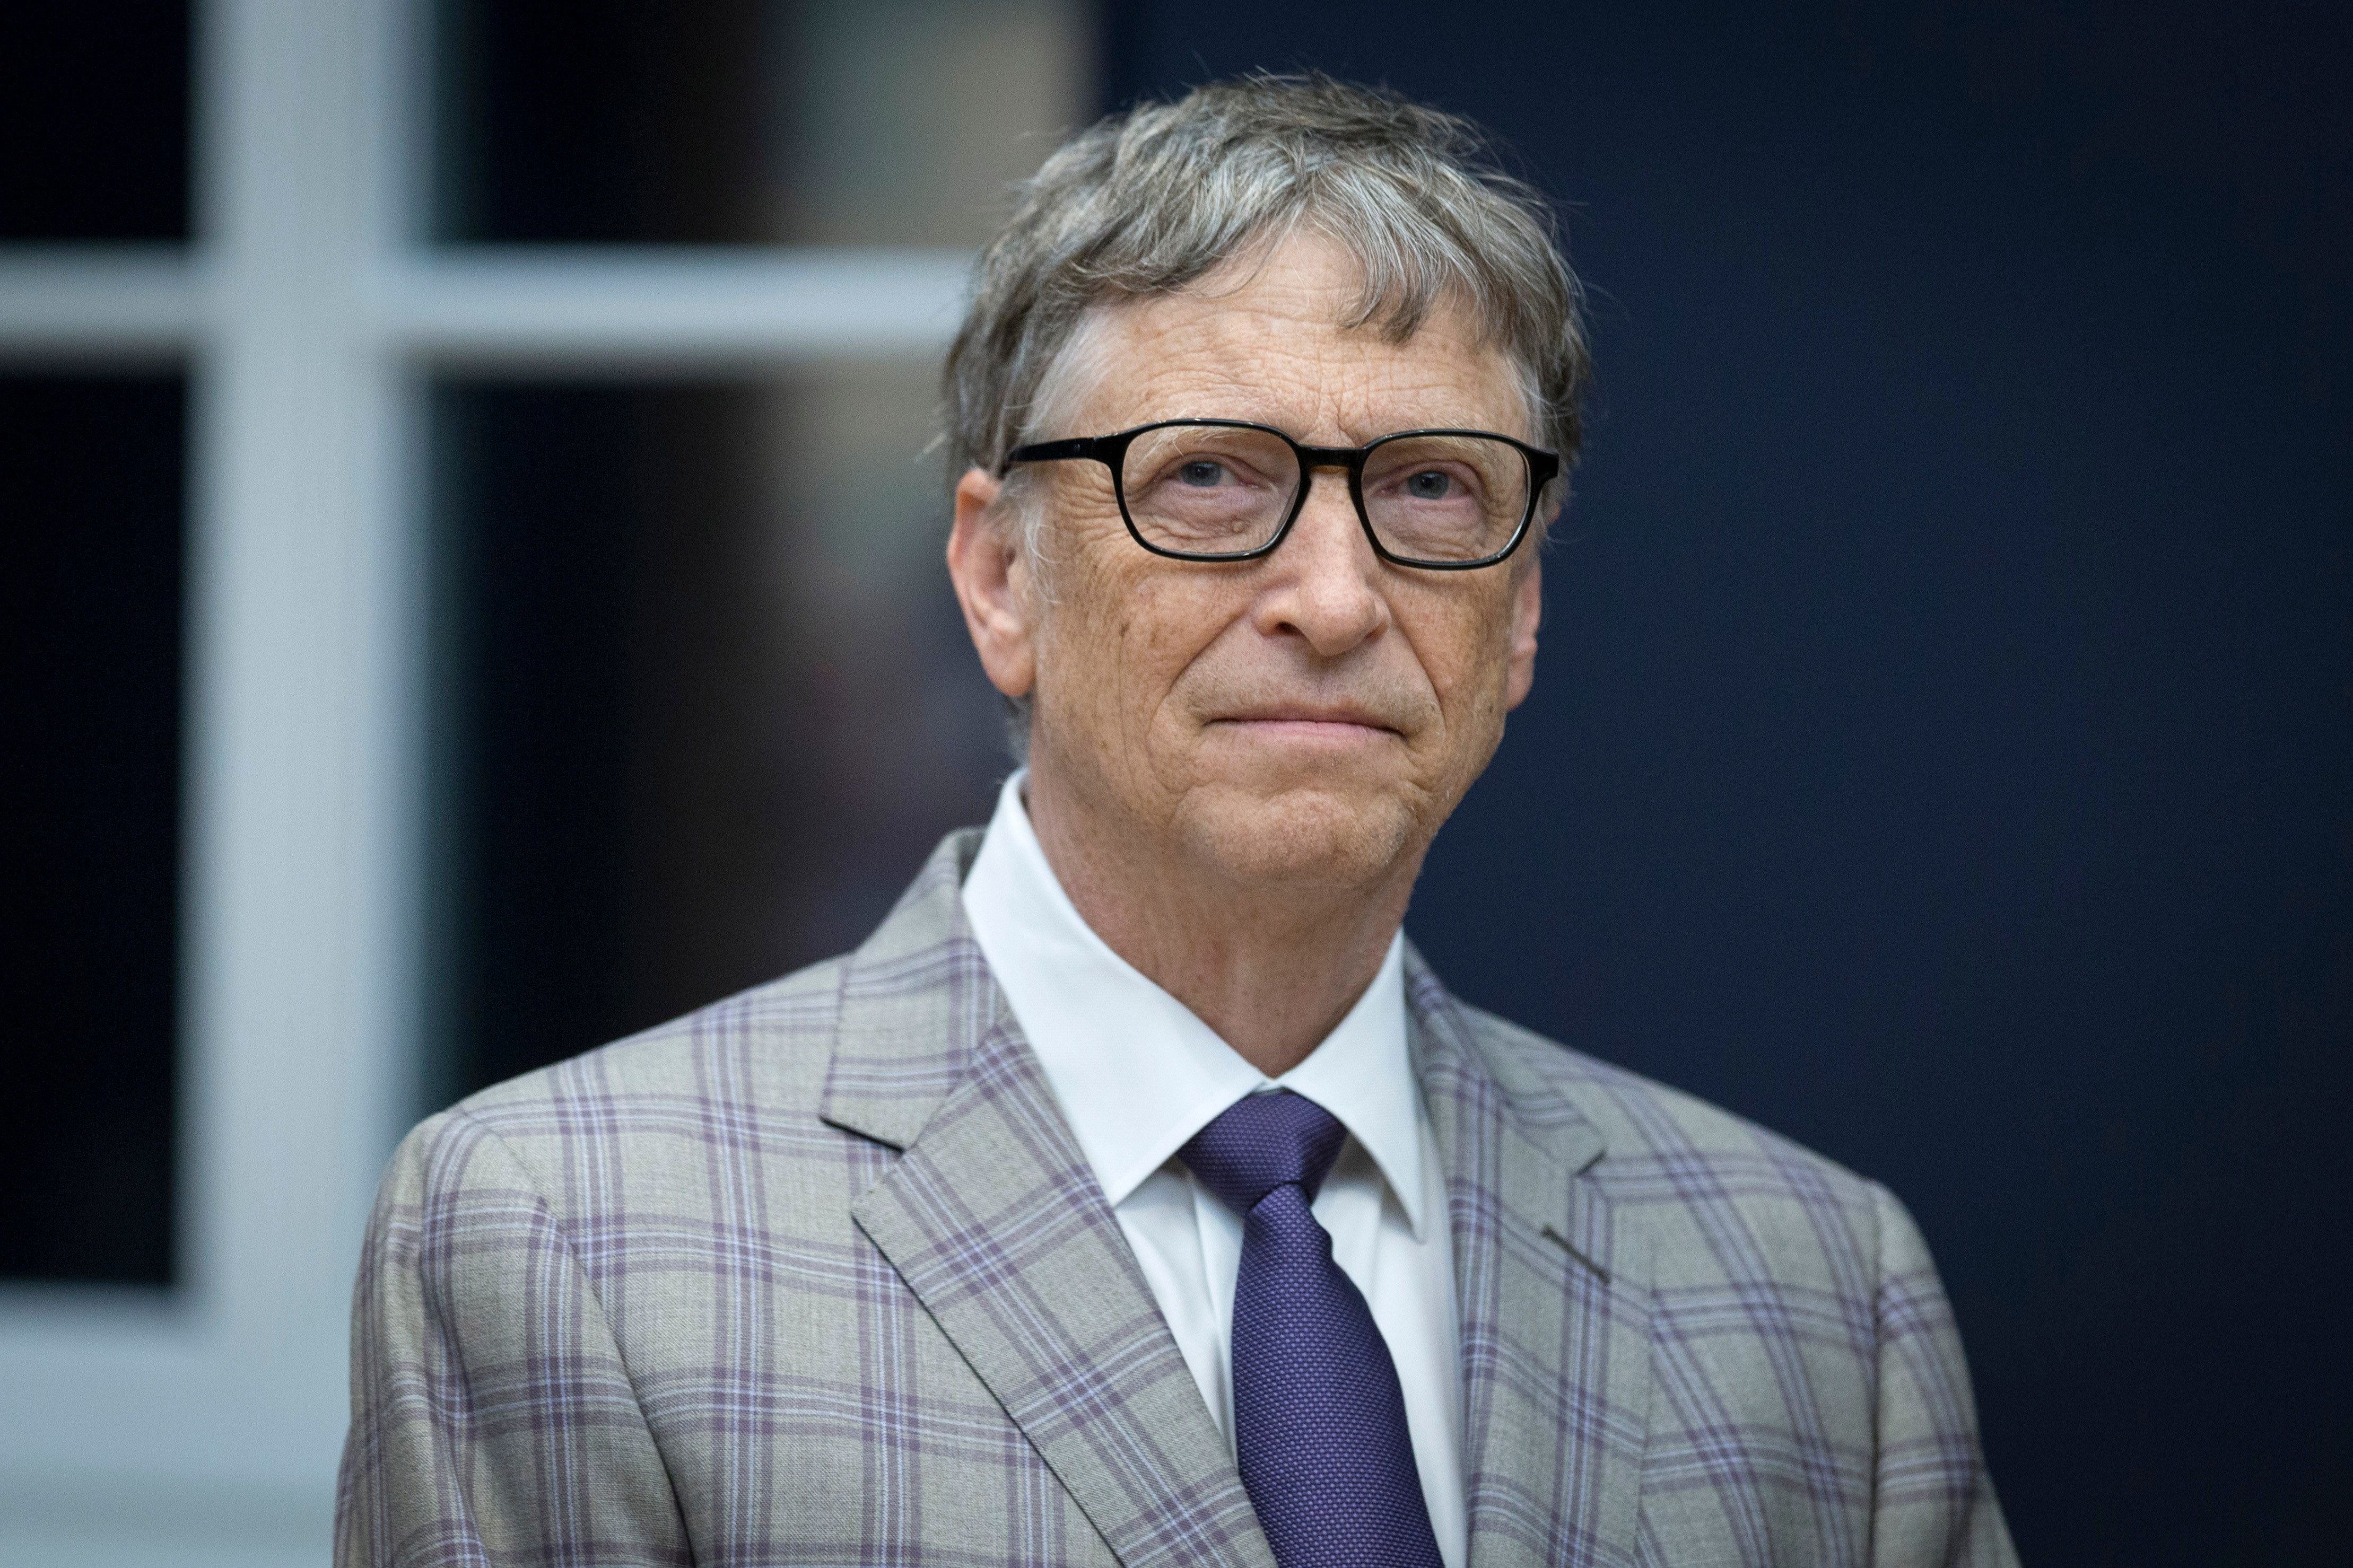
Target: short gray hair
[[1148, 202]]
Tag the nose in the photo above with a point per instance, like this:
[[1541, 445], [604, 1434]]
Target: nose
[[1326, 580]]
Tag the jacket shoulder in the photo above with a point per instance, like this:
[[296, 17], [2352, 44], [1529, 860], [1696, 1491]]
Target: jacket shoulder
[[1797, 1319], [1716, 1187], [748, 1070], [768, 1042]]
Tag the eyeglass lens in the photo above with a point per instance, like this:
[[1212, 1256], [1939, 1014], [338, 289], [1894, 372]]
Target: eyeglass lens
[[1210, 490]]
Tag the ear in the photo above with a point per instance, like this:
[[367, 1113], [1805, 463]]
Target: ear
[[991, 584], [1527, 609]]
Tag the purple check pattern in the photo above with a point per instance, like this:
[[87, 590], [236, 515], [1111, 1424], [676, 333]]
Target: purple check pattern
[[817, 1274]]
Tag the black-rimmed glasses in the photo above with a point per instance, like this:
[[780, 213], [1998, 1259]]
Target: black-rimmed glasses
[[1225, 490]]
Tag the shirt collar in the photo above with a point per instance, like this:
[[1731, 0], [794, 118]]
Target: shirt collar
[[1134, 1071]]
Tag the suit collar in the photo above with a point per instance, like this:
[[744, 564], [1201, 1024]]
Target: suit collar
[[915, 1000], [1553, 1296], [993, 1219], [917, 997], [1135, 1071]]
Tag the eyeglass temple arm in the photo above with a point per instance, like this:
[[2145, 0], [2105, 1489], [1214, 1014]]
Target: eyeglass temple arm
[[1053, 451]]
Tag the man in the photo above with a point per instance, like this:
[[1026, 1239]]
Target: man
[[1134, 1194]]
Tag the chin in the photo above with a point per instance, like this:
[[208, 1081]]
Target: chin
[[1305, 836]]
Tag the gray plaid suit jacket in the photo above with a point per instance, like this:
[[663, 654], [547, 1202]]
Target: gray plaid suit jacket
[[817, 1274]]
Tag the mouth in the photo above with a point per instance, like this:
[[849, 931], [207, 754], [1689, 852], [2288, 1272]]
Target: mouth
[[1308, 725]]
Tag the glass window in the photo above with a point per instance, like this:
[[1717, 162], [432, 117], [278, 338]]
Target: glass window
[[90, 836], [707, 699], [94, 120], [696, 122]]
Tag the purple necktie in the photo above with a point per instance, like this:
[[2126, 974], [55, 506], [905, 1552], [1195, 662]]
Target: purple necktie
[[1319, 1419]]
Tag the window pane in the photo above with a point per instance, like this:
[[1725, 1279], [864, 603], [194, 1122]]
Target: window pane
[[91, 474], [706, 697], [94, 120], [850, 121]]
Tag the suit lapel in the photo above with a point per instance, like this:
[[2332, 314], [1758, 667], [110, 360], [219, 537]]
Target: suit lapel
[[993, 1219], [1553, 1294]]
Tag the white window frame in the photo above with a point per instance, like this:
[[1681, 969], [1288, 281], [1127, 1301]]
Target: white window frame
[[203, 1426]]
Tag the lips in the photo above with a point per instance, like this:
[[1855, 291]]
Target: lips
[[1332, 718]]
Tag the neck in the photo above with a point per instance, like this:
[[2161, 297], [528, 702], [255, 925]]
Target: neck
[[1272, 966]]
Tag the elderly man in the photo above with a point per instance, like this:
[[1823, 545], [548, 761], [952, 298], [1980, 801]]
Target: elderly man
[[1136, 1193]]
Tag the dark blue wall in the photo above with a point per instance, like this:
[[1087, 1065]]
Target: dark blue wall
[[1942, 749]]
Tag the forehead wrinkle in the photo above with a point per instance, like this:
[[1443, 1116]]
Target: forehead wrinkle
[[1307, 373]]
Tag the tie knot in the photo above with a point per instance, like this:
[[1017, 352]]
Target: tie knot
[[1262, 1142]]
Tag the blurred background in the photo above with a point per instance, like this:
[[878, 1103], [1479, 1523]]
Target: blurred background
[[469, 583]]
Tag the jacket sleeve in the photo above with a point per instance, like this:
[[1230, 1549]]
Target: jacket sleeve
[[1932, 1501], [493, 1416]]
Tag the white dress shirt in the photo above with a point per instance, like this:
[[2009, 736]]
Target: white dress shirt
[[1136, 1074]]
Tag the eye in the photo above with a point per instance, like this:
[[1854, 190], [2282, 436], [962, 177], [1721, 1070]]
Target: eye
[[1430, 484], [1201, 473]]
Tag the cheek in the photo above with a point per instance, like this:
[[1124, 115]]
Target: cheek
[[1120, 634], [1466, 653], [1157, 610]]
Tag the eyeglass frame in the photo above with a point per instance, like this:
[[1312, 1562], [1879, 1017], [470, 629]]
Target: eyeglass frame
[[1111, 451]]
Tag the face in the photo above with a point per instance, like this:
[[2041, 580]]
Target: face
[[1312, 715]]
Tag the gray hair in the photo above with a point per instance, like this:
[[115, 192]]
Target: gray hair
[[1149, 202]]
